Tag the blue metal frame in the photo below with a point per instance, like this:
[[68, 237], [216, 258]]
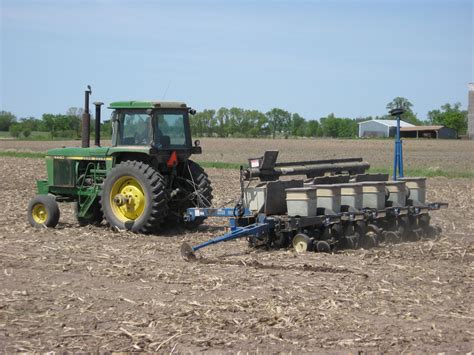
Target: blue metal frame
[[193, 213], [398, 159], [239, 232], [260, 227]]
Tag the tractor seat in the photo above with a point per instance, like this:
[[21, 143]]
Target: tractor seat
[[163, 141]]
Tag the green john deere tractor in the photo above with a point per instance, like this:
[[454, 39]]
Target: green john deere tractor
[[145, 178]]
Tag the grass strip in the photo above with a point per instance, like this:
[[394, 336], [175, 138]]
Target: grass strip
[[427, 172], [219, 165], [21, 154]]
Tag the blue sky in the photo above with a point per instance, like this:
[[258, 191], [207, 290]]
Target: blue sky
[[310, 57]]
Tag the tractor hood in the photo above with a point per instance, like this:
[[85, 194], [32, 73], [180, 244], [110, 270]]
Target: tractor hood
[[78, 152]]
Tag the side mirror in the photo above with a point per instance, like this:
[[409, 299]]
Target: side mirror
[[197, 143], [192, 111]]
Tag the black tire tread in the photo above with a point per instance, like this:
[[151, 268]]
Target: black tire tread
[[52, 208], [159, 198], [203, 183]]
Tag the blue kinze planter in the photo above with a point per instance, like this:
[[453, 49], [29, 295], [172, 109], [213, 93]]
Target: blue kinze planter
[[337, 206]]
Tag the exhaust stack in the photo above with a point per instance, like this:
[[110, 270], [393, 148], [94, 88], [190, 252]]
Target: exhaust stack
[[97, 122], [86, 119]]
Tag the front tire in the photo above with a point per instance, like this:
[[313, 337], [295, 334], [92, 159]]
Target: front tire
[[134, 197], [43, 211]]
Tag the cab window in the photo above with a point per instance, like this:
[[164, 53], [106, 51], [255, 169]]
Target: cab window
[[170, 130], [135, 129]]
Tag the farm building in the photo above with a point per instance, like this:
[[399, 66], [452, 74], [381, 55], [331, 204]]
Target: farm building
[[428, 132], [380, 128]]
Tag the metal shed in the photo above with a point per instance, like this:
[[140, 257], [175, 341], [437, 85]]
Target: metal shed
[[380, 128], [428, 132]]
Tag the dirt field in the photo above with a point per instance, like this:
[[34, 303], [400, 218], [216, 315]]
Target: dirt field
[[90, 288], [432, 154]]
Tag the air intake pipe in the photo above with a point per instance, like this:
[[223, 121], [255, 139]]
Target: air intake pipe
[[86, 119], [97, 123]]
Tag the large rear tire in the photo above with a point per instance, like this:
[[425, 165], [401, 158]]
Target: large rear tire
[[195, 191], [134, 197]]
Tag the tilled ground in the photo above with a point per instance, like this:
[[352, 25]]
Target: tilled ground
[[90, 288]]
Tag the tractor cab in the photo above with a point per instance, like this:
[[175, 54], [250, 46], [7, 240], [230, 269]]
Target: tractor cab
[[161, 125]]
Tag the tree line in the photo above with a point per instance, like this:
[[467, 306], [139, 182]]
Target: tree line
[[64, 126], [239, 122]]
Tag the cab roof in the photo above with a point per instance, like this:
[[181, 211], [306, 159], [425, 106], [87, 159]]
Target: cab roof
[[146, 104]]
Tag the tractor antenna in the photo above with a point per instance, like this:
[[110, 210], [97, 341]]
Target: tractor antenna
[[166, 91]]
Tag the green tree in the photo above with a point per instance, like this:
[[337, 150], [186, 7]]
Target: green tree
[[312, 127], [330, 126], [236, 118], [76, 116], [278, 120], [450, 116], [50, 123], [209, 122], [6, 120], [408, 116], [106, 129], [222, 118], [257, 123], [400, 102], [298, 125], [335, 127], [26, 132], [347, 128], [15, 130], [197, 126], [31, 123]]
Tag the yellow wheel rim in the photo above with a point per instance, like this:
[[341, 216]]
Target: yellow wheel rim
[[39, 213], [127, 199], [300, 244]]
